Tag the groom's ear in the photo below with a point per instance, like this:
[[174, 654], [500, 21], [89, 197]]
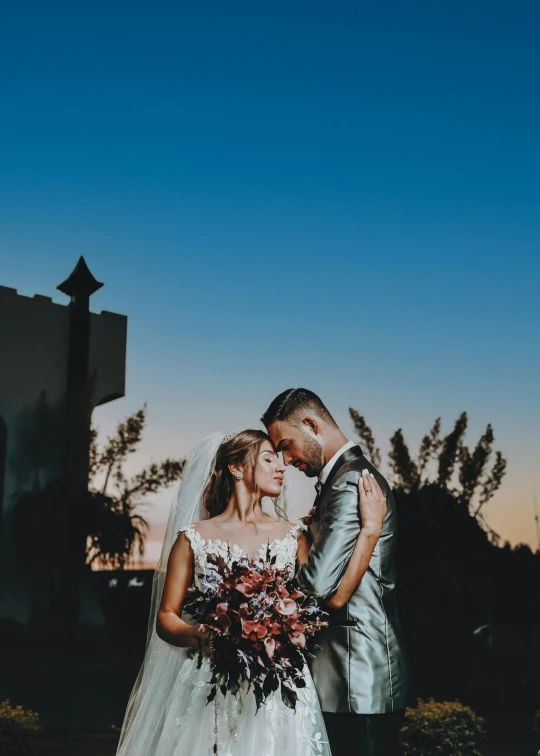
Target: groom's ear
[[312, 423]]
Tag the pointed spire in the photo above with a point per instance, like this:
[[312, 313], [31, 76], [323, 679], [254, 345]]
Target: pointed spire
[[81, 282]]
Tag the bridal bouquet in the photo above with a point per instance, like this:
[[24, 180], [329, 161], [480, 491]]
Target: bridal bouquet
[[261, 627]]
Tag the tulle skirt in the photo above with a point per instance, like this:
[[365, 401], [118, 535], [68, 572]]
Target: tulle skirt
[[189, 721]]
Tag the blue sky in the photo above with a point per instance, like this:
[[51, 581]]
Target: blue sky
[[341, 196]]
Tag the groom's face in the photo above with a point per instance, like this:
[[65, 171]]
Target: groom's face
[[299, 447]]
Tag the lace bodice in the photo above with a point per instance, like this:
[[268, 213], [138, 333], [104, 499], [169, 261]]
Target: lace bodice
[[276, 730], [283, 549]]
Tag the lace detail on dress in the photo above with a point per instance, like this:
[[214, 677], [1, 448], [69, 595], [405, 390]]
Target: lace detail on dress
[[284, 549], [275, 730]]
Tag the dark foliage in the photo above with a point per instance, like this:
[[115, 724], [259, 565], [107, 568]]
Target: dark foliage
[[364, 432], [446, 462], [119, 532], [470, 608], [444, 728], [46, 520]]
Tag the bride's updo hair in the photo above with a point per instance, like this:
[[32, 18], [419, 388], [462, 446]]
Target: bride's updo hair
[[242, 449]]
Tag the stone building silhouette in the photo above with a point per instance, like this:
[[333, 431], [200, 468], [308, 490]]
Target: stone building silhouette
[[75, 361]]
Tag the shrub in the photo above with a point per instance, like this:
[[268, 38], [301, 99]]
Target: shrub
[[16, 727], [445, 728]]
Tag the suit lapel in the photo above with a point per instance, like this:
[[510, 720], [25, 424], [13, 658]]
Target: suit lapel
[[348, 454]]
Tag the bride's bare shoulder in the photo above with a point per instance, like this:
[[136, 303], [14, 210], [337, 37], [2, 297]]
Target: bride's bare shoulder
[[198, 526], [206, 528]]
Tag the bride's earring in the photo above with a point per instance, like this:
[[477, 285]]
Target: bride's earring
[[239, 475]]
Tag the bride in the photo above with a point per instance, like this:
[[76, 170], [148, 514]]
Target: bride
[[218, 512]]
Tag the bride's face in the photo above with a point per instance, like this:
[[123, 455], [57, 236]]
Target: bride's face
[[269, 471]]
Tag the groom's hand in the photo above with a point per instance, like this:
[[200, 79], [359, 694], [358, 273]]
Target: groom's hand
[[372, 503]]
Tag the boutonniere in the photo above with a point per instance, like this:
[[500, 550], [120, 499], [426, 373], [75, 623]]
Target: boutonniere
[[311, 517]]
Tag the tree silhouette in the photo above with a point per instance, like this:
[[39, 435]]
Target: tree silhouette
[[48, 523], [493, 481], [450, 450], [364, 432], [456, 584], [429, 448], [404, 468], [449, 456], [119, 534]]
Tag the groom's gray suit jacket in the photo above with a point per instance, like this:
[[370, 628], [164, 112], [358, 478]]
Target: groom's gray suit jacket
[[361, 668]]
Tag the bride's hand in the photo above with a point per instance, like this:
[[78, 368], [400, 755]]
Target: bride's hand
[[372, 503], [199, 637]]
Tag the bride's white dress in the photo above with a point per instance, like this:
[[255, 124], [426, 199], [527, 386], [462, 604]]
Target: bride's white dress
[[275, 730]]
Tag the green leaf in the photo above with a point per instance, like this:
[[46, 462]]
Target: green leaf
[[259, 696], [288, 696]]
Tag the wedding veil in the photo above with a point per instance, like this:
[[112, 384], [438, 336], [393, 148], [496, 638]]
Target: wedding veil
[[153, 687]]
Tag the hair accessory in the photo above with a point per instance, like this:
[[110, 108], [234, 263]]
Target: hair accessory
[[235, 432]]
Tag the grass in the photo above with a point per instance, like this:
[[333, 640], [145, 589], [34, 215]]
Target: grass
[[79, 700], [84, 741], [508, 737]]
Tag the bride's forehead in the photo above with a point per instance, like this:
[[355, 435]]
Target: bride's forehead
[[266, 447]]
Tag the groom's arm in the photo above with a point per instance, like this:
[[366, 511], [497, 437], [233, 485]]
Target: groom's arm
[[332, 548]]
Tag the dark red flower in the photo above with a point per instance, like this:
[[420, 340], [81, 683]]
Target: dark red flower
[[222, 616], [281, 591], [255, 604], [253, 630], [296, 594], [249, 583], [311, 517]]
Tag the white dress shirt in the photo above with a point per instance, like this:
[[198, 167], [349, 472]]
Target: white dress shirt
[[325, 472]]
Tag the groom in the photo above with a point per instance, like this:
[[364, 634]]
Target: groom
[[361, 675]]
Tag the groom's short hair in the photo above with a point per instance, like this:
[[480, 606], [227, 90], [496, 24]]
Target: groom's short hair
[[293, 405]]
